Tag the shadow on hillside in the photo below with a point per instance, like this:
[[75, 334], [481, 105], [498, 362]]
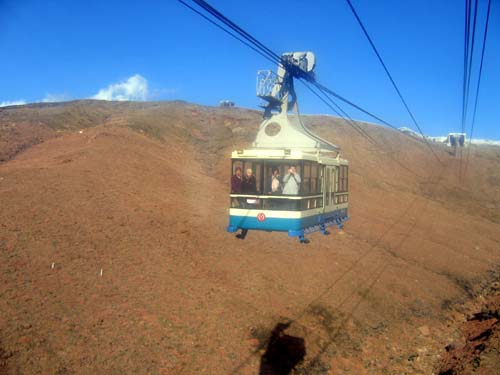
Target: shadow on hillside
[[283, 352], [3, 362]]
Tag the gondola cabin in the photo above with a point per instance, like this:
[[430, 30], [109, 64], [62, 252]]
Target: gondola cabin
[[322, 199], [299, 182]]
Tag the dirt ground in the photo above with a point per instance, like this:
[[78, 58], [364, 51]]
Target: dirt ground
[[114, 257]]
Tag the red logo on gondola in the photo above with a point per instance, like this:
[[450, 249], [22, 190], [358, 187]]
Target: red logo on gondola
[[261, 217]]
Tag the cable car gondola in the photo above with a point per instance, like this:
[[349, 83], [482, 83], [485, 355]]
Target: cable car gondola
[[300, 180]]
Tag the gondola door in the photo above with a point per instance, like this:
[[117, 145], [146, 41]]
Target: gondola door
[[328, 183]]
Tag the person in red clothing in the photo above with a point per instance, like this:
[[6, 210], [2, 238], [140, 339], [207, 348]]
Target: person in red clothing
[[248, 186], [237, 188], [236, 182]]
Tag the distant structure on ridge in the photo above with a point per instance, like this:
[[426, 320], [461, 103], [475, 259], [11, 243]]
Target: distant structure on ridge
[[226, 103], [454, 141]]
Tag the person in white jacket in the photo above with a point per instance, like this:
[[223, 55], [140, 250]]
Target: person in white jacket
[[291, 182]]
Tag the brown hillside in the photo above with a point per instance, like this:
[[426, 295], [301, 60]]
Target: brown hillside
[[139, 191]]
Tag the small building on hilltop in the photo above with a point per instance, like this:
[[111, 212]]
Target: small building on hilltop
[[226, 103]]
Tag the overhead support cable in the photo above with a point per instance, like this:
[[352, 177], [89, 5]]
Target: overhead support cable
[[235, 27], [466, 73], [271, 59], [390, 78], [471, 55], [348, 119], [270, 55], [485, 35]]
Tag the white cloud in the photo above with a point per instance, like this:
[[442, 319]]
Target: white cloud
[[134, 88], [15, 102], [52, 98]]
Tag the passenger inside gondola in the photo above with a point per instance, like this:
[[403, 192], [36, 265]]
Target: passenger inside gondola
[[291, 182], [236, 181], [276, 182], [250, 187], [249, 183], [236, 186], [291, 186]]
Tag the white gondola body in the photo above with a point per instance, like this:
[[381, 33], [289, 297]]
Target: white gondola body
[[283, 141]]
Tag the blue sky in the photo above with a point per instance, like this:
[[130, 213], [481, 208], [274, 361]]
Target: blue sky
[[60, 50]]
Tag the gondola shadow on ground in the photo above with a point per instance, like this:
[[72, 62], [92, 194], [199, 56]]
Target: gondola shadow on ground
[[283, 353]]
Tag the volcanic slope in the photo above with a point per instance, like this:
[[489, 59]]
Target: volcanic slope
[[114, 257]]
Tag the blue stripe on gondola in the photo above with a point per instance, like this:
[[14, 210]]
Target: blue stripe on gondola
[[290, 225]]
